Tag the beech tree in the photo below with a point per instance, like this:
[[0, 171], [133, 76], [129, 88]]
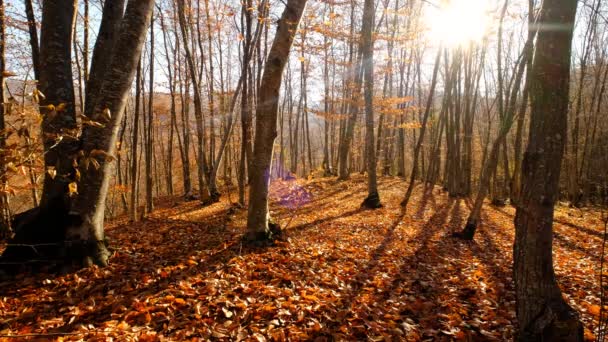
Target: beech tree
[[79, 161], [373, 198], [258, 228], [542, 312]]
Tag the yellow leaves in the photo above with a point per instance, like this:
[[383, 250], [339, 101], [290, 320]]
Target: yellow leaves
[[123, 326], [372, 275], [73, 188], [310, 297], [52, 172], [86, 121], [61, 107], [410, 125], [37, 95]]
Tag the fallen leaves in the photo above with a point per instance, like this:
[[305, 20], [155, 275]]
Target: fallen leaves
[[344, 274]]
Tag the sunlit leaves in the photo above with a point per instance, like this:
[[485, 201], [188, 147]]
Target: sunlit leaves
[[352, 275]]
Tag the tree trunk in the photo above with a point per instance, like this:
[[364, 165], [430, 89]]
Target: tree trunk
[[266, 122], [542, 312], [102, 52], [5, 212], [33, 32], [90, 203], [373, 198], [149, 144], [135, 146], [427, 112], [198, 107], [57, 85], [492, 160]]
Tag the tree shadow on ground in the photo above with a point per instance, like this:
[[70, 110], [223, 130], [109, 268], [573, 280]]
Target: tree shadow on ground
[[560, 239], [361, 281], [563, 222], [170, 251]]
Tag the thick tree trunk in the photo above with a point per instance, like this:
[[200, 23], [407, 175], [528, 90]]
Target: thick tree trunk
[[100, 142], [57, 85], [542, 312], [266, 122]]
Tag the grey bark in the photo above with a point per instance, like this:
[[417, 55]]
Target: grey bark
[[266, 121]]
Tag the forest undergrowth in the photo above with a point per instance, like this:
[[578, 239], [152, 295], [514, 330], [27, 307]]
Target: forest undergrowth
[[339, 273]]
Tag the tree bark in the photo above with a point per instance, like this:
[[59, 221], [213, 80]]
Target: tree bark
[[542, 312], [59, 127], [266, 122], [103, 50], [373, 198], [33, 32], [90, 203], [5, 212]]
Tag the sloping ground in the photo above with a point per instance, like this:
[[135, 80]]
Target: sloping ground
[[341, 274]]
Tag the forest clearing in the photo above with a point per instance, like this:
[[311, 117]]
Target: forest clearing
[[338, 273]]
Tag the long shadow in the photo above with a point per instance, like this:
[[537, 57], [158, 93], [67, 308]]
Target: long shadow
[[559, 239], [563, 222], [486, 243], [168, 243], [456, 219], [563, 242], [427, 196], [426, 233], [304, 226]]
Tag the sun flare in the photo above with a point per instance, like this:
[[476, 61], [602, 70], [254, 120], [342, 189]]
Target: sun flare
[[458, 22]]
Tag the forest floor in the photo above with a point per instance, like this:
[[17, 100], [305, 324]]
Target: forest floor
[[342, 273]]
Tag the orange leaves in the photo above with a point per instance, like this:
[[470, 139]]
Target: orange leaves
[[344, 274], [593, 309]]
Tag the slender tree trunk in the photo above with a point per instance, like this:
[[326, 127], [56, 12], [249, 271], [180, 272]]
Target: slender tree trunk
[[150, 129], [266, 122], [427, 112], [5, 212], [373, 198], [492, 160], [33, 32], [135, 146], [198, 107]]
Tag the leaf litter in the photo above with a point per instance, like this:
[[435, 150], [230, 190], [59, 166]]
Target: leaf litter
[[341, 273]]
